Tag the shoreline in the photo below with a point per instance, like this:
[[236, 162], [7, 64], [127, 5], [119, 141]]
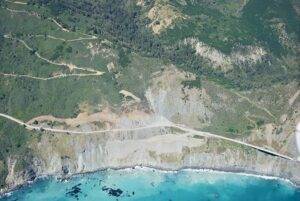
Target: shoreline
[[61, 178]]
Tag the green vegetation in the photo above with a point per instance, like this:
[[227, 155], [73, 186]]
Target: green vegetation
[[124, 57], [125, 23], [14, 143], [238, 117], [223, 30], [129, 54], [25, 98], [15, 58], [210, 26], [258, 16], [135, 76]]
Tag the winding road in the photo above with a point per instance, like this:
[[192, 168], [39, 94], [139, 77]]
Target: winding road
[[253, 103], [68, 40], [91, 37], [158, 125], [95, 72], [70, 66], [50, 78]]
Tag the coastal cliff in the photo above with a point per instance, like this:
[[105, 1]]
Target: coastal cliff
[[88, 85], [143, 135], [166, 149]]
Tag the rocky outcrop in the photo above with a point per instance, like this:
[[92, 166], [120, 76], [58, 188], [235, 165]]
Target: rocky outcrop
[[155, 145], [16, 176], [160, 148], [218, 60], [64, 155], [167, 97]]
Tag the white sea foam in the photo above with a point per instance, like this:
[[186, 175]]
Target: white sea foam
[[203, 170]]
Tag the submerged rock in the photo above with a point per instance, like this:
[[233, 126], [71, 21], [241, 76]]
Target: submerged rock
[[112, 192]]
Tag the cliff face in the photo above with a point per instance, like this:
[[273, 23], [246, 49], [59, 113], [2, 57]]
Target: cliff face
[[165, 148], [158, 145], [63, 155]]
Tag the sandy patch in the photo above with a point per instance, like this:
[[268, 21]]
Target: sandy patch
[[162, 17], [105, 119], [219, 60], [140, 3], [286, 39], [111, 67], [129, 94], [105, 115], [18, 2], [101, 49]]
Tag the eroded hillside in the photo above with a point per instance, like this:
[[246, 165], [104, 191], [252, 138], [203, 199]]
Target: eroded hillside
[[86, 85]]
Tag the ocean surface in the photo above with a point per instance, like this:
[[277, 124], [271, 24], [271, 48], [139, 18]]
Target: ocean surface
[[145, 184]]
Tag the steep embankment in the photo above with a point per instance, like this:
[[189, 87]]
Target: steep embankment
[[65, 155], [147, 138]]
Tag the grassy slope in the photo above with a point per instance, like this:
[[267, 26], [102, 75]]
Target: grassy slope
[[24, 98]]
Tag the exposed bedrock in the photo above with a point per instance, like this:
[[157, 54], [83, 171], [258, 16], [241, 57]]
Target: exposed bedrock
[[162, 148]]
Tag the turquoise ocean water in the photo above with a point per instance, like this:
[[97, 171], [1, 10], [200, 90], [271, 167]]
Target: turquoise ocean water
[[144, 184]]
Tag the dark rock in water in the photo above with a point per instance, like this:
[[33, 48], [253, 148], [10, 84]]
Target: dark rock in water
[[112, 192], [74, 191], [64, 179]]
